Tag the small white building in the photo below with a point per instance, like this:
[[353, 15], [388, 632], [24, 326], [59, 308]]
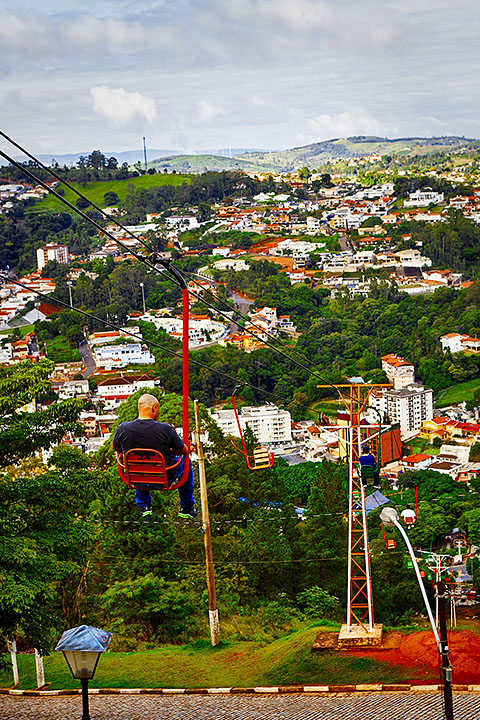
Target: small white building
[[269, 424], [71, 389], [423, 198], [118, 356], [456, 342], [236, 264], [413, 258], [6, 353]]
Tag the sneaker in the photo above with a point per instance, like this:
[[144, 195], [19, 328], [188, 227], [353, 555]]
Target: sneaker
[[147, 512], [188, 513], [377, 487]]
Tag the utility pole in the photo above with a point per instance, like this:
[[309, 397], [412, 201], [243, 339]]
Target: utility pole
[[207, 538], [445, 653]]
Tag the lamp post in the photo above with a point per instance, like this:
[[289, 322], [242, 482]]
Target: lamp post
[[143, 296], [389, 517], [81, 647], [69, 283]]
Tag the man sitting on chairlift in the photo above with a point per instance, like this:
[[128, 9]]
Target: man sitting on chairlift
[[368, 469], [146, 432]]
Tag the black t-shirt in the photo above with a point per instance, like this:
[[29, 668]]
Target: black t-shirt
[[147, 433]]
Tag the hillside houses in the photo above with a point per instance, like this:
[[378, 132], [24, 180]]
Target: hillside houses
[[459, 342]]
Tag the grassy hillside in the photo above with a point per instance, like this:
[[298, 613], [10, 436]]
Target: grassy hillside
[[288, 660], [95, 190], [202, 163], [317, 153], [458, 393]]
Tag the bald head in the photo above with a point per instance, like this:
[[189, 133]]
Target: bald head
[[148, 407]]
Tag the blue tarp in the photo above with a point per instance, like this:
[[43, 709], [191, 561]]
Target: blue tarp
[[86, 638], [375, 500]]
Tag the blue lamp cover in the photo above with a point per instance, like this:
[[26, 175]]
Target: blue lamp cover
[[84, 638]]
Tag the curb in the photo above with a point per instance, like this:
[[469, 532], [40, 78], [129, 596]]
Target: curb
[[273, 690]]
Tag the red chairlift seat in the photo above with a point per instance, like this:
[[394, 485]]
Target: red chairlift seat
[[262, 458], [144, 466]]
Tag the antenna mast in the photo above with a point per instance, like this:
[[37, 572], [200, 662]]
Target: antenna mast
[[145, 154]]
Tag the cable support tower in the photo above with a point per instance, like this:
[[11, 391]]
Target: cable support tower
[[360, 626]]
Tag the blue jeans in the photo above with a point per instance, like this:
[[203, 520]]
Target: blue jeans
[[143, 498]]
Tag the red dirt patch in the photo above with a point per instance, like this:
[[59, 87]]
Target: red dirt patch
[[418, 653]]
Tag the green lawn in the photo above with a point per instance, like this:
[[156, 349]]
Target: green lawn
[[458, 393], [288, 660], [421, 445], [95, 190], [328, 407], [24, 329], [59, 350]]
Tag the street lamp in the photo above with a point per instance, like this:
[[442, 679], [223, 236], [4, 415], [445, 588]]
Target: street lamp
[[81, 647], [143, 296], [389, 517], [69, 283]]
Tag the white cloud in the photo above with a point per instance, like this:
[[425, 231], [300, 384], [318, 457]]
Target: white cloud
[[24, 35], [354, 121], [120, 106], [208, 112]]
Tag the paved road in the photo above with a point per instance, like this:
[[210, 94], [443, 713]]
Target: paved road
[[87, 358], [369, 706]]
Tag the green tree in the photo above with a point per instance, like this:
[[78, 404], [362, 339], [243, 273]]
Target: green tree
[[110, 198], [24, 431]]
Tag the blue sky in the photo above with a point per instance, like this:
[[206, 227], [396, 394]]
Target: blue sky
[[192, 75]]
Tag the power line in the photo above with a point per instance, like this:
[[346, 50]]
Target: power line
[[142, 258], [152, 342]]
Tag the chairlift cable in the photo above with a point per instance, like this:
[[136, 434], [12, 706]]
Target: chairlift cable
[[151, 342], [139, 257], [74, 189]]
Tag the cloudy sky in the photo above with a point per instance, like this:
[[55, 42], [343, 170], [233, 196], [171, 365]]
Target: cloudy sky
[[192, 75]]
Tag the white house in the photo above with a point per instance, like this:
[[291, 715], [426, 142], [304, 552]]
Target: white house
[[413, 258], [118, 356], [6, 353], [456, 342], [235, 264], [71, 388], [113, 391], [423, 198], [400, 372]]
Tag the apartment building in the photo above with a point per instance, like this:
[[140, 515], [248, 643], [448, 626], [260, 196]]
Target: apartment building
[[269, 424], [410, 406], [400, 372], [52, 251]]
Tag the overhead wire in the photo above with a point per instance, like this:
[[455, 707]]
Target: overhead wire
[[146, 260], [146, 341]]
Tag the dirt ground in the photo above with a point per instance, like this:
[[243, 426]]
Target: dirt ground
[[418, 652]]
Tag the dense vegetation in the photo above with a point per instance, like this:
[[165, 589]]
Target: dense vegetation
[[73, 551]]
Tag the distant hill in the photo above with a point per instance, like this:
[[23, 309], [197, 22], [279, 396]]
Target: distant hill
[[316, 154], [312, 156], [128, 156]]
